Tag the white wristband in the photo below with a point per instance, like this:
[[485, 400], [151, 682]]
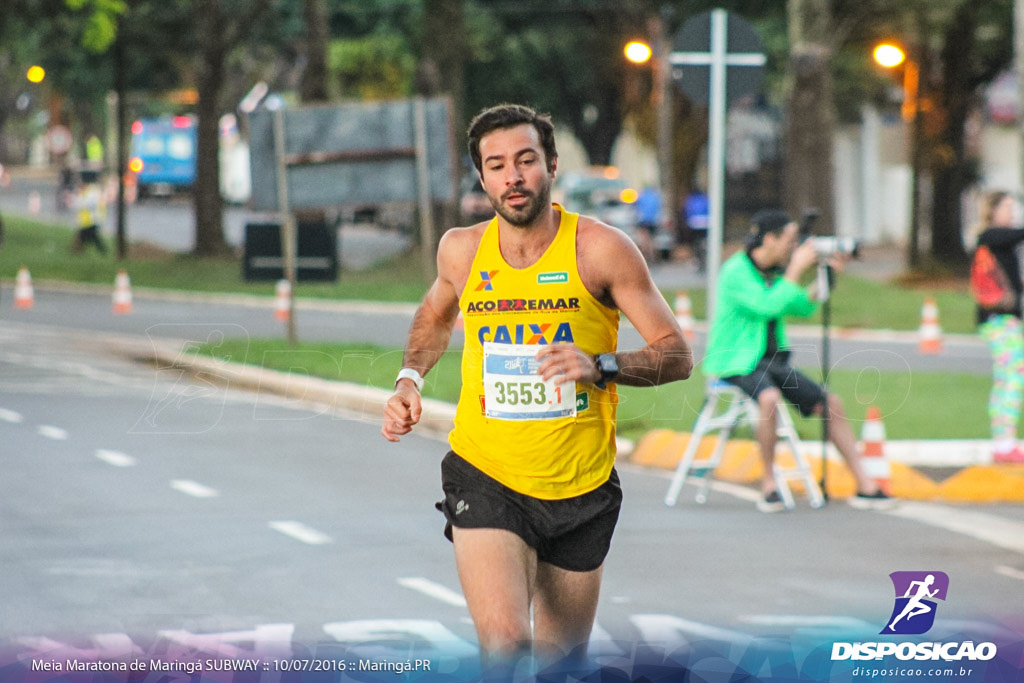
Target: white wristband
[[409, 373]]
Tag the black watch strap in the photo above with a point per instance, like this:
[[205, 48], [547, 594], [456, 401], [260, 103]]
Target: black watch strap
[[608, 365]]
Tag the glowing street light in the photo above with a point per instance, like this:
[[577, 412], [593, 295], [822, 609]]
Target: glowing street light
[[35, 74], [889, 55], [638, 52]]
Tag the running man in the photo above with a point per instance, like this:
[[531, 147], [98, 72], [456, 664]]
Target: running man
[[915, 606], [531, 494]]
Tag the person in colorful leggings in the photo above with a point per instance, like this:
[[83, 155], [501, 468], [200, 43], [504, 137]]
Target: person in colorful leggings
[[1002, 326]]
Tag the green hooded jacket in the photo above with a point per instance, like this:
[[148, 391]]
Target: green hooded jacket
[[746, 302]]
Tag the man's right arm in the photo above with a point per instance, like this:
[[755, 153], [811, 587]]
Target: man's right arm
[[748, 293], [429, 334]]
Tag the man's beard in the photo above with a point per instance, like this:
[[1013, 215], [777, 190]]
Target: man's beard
[[528, 212]]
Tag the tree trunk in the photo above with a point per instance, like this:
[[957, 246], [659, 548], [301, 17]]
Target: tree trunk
[[951, 168], [810, 123], [444, 56], [313, 83], [211, 25]]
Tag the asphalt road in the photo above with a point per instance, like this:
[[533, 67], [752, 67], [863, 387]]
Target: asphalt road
[[150, 513]]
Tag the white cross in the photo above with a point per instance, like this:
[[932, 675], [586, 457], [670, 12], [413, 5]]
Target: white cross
[[717, 60], [718, 54]]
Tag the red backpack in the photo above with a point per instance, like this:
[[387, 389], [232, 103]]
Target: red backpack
[[990, 285]]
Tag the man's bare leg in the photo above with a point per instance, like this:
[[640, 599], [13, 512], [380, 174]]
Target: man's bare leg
[[768, 435], [564, 609], [498, 572]]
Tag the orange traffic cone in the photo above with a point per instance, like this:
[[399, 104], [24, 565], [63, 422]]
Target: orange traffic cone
[[930, 333], [684, 314], [24, 295], [122, 293], [282, 305], [872, 440]]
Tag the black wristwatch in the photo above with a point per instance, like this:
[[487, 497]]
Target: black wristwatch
[[608, 366]]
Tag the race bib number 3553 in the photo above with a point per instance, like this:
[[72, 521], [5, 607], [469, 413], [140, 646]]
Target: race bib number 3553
[[513, 389]]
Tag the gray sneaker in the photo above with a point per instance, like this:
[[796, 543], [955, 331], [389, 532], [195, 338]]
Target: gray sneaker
[[771, 502], [878, 500]]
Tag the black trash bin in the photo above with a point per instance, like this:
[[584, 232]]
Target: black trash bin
[[316, 260]]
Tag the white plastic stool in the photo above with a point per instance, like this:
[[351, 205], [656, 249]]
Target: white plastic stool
[[740, 408]]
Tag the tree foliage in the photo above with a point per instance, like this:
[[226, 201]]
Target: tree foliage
[[562, 56]]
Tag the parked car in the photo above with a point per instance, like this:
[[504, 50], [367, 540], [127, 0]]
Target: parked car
[[601, 193], [473, 203]]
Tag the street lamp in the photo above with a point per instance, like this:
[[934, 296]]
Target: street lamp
[[890, 56], [638, 52], [35, 74], [656, 54]]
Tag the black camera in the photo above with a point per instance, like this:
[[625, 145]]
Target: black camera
[[827, 247]]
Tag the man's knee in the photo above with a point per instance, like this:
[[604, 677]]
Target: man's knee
[[835, 405], [768, 400], [505, 638]]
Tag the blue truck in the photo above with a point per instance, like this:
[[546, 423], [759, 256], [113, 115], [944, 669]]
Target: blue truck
[[163, 154]]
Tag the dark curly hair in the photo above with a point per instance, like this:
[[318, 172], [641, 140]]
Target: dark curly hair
[[508, 116]]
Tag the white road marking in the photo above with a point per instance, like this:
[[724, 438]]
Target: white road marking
[[192, 488], [981, 526], [300, 532], [51, 432], [115, 458], [433, 590], [1010, 571], [11, 416]]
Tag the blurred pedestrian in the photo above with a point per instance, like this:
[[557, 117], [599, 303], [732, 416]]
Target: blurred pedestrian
[[94, 152], [91, 205], [648, 215], [1001, 325], [695, 222], [65, 188]]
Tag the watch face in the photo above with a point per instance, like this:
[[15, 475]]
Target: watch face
[[607, 364]]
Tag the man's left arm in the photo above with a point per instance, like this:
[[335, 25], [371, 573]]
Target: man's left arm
[[616, 273], [667, 355]]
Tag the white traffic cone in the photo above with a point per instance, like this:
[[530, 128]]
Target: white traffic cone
[[122, 298], [873, 461], [24, 295], [684, 314], [930, 333], [282, 304]]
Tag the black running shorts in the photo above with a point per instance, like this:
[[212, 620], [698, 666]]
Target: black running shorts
[[573, 533], [796, 387]]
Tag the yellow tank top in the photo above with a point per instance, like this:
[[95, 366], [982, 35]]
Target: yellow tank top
[[507, 424]]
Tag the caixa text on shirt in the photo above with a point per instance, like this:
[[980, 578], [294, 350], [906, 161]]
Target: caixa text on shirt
[[543, 333]]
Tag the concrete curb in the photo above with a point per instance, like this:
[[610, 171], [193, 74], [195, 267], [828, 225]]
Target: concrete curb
[[352, 400], [948, 471], [940, 470]]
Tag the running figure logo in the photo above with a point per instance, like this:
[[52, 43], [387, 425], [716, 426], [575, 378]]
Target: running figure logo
[[916, 592]]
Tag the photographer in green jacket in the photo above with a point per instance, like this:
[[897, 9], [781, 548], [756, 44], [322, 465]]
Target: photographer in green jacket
[[747, 345]]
